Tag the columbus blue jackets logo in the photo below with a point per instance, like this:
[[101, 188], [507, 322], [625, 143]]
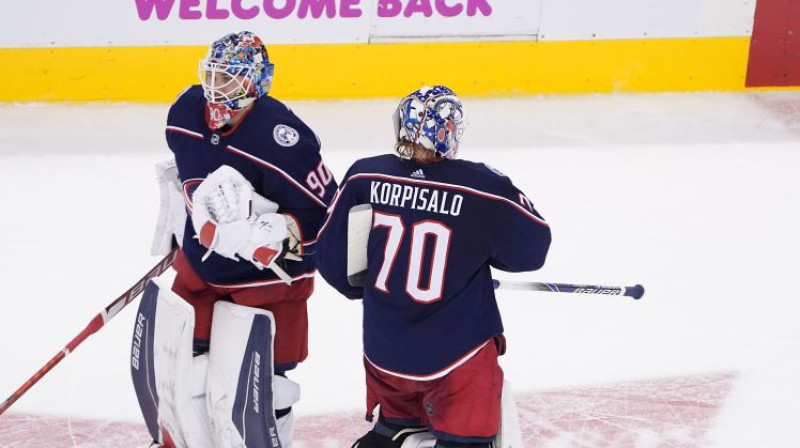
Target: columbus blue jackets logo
[[285, 136]]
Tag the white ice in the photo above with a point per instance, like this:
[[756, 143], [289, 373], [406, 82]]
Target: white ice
[[696, 196]]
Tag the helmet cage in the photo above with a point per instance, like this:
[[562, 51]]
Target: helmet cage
[[233, 84]]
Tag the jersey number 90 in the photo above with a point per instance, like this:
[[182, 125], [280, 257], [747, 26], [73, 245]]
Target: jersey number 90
[[319, 178]]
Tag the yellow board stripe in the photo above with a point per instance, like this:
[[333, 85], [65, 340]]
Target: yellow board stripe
[[158, 74]]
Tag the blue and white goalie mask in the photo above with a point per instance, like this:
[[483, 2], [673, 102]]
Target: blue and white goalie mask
[[235, 73], [432, 117]]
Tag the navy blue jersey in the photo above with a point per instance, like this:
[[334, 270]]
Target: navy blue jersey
[[437, 228], [276, 152]]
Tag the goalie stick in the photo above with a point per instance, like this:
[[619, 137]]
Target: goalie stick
[[636, 291], [95, 324], [359, 224]]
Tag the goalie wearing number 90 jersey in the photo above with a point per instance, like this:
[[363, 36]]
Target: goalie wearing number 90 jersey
[[438, 224]]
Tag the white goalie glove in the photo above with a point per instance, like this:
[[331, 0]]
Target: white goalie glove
[[224, 223], [220, 211], [272, 237]]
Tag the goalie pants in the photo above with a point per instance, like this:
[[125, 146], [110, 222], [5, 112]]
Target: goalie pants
[[463, 406], [287, 303]]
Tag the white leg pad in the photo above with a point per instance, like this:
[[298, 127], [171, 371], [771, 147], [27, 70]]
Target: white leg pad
[[173, 379], [286, 429], [240, 397], [510, 435], [419, 440], [287, 393]]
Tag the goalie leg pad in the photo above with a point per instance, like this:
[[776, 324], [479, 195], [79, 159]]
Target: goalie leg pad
[[510, 434], [285, 426], [387, 435], [420, 440], [169, 381], [286, 393], [142, 365], [240, 396]]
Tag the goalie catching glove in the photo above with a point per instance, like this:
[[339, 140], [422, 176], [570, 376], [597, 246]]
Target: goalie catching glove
[[272, 237], [225, 224]]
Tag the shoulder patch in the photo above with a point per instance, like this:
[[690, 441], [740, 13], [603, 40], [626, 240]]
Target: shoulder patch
[[285, 136]]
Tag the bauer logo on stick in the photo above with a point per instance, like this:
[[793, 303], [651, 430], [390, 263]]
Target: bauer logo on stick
[[613, 292]]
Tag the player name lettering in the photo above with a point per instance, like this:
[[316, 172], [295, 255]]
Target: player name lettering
[[415, 198]]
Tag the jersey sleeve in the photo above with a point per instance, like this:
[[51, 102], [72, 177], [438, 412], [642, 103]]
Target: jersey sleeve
[[298, 179], [522, 236], [332, 242], [307, 203]]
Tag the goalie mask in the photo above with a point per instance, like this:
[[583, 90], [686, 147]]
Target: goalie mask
[[233, 74], [432, 117]]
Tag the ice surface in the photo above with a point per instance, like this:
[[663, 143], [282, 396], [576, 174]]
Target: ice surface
[[696, 196]]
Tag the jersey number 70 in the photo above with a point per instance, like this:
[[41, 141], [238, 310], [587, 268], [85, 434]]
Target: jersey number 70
[[421, 233]]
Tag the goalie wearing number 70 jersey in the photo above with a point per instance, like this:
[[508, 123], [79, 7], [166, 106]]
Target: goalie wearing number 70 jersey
[[437, 226]]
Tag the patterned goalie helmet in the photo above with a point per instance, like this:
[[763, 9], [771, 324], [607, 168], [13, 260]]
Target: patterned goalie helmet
[[234, 73], [432, 117]]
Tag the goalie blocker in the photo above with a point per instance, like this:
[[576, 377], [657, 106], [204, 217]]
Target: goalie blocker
[[225, 398]]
